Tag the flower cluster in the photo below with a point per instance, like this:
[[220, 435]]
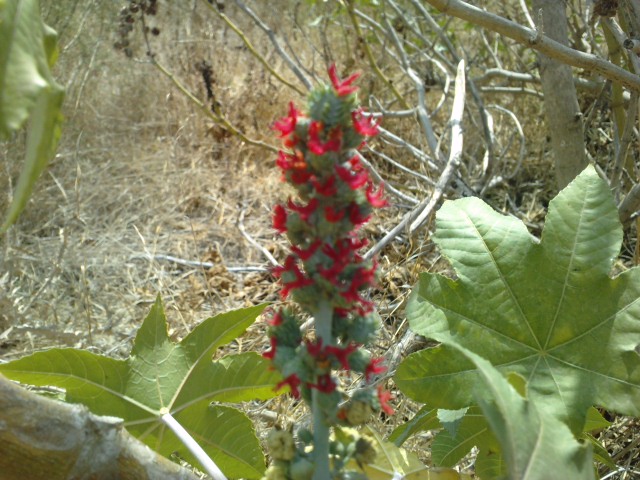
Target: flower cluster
[[324, 272]]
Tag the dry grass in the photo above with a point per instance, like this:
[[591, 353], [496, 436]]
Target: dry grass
[[141, 172]]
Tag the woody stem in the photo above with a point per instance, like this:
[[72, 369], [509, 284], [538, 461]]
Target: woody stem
[[323, 319]]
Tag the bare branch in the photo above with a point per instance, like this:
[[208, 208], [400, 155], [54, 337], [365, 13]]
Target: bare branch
[[621, 38], [630, 205], [423, 116], [43, 438], [421, 212], [625, 142], [265, 28], [541, 43], [455, 152], [217, 117], [372, 61]]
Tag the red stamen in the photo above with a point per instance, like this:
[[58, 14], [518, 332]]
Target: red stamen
[[342, 87]]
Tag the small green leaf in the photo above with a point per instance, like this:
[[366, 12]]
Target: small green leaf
[[450, 419], [179, 378], [425, 419], [600, 453], [449, 447], [595, 421]]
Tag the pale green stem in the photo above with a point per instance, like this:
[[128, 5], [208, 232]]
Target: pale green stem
[[323, 318], [205, 461]]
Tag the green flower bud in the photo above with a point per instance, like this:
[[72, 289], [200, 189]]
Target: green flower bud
[[281, 445], [275, 472], [359, 360], [356, 413], [351, 475], [365, 451], [305, 435], [301, 469]]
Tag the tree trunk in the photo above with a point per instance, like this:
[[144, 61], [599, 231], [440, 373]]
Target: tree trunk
[[44, 439], [564, 118]]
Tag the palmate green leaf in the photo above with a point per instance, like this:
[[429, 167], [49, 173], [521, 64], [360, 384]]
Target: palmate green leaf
[[547, 310], [161, 376], [535, 446], [27, 90]]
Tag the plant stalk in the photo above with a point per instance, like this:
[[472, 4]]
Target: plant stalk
[[209, 466], [323, 318]]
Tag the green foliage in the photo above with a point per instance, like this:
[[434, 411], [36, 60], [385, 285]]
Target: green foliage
[[162, 377], [545, 310], [460, 435], [28, 90], [535, 445], [394, 462], [425, 419]]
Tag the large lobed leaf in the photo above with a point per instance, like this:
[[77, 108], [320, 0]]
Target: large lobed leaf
[[547, 310], [161, 376]]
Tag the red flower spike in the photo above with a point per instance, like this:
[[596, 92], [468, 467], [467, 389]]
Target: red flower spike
[[287, 125], [293, 382], [354, 179], [283, 161], [332, 215], [376, 198], [325, 384], [355, 216], [383, 397], [342, 354], [357, 243], [361, 279], [319, 354], [306, 254], [328, 188], [342, 87], [291, 141], [341, 258], [300, 177], [276, 319], [314, 348], [365, 126], [287, 161], [316, 146], [305, 211], [271, 353], [290, 266], [356, 164], [280, 218], [374, 368]]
